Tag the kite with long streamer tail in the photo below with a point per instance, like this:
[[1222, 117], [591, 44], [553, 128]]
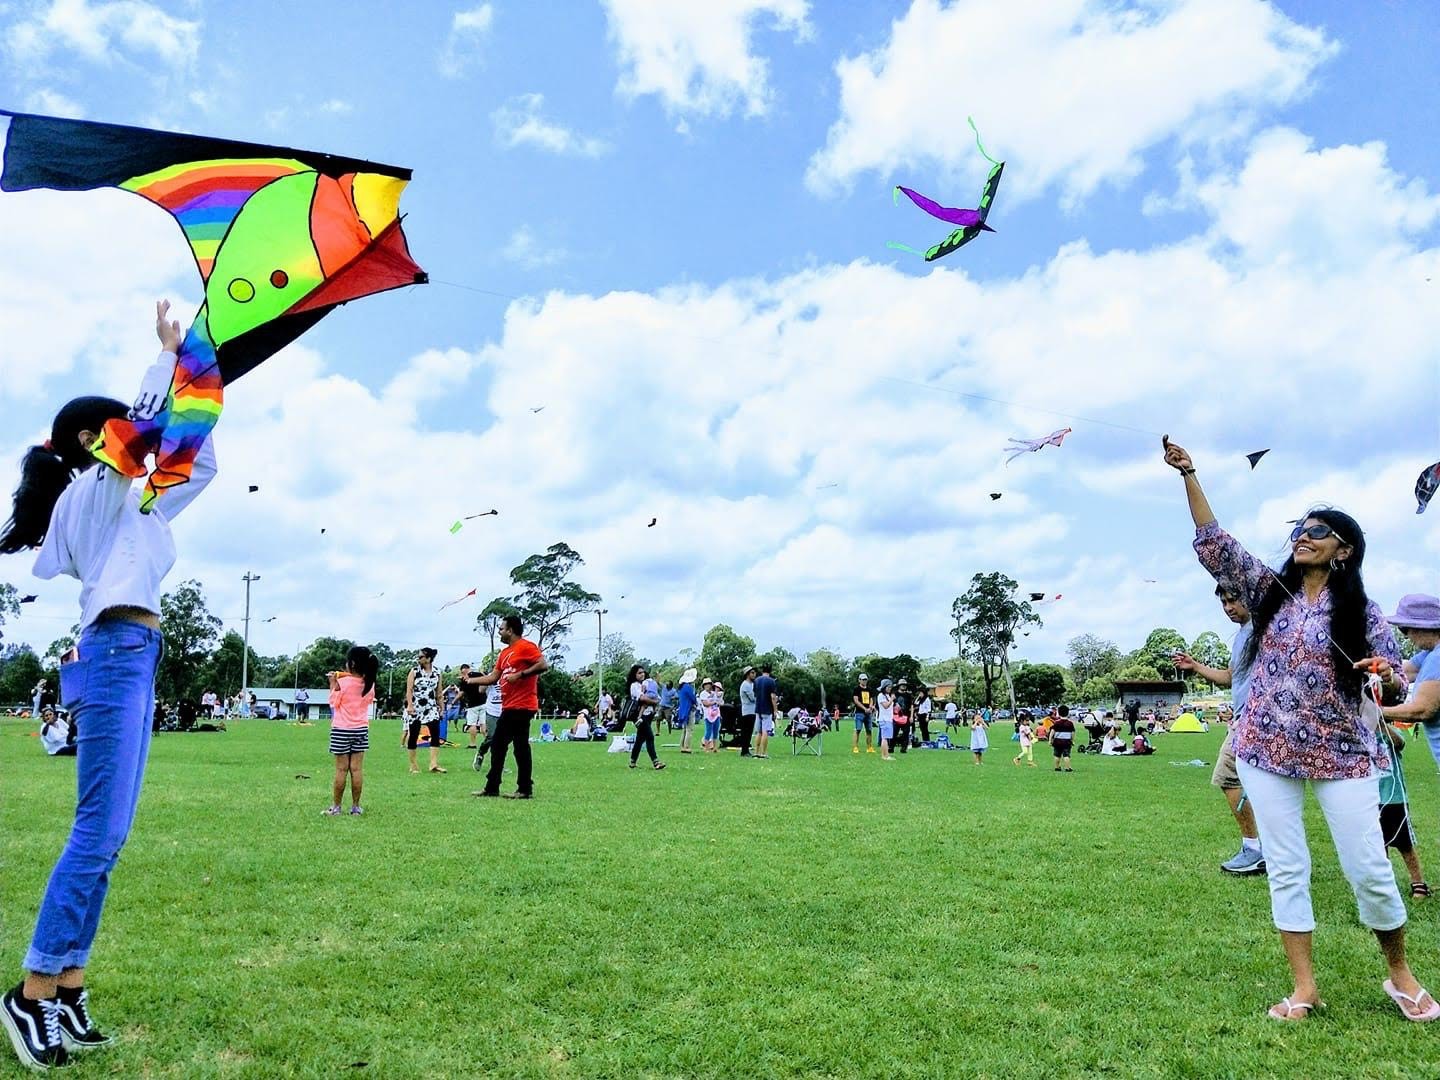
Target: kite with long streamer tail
[[1034, 446], [280, 238], [971, 222]]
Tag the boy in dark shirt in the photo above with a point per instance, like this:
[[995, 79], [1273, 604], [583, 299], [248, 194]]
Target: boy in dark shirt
[[1062, 738]]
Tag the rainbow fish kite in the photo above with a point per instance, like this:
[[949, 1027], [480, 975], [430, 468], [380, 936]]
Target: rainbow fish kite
[[280, 238], [971, 222]]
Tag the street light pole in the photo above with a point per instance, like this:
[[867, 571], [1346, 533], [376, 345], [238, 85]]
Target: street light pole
[[249, 579]]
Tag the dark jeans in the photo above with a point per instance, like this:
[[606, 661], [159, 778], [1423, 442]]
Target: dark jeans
[[644, 737], [747, 732], [902, 737], [511, 728], [924, 727]]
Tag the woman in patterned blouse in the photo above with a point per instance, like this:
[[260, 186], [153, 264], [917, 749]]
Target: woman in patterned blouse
[[1315, 634]]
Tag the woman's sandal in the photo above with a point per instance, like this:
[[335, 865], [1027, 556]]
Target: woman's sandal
[[1400, 998], [659, 764], [1419, 889], [1291, 1007], [437, 768]]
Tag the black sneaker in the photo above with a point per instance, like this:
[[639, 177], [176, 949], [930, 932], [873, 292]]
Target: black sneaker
[[77, 1030], [34, 1029]]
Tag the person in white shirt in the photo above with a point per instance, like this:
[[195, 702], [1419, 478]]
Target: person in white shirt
[[86, 520], [952, 715], [56, 734]]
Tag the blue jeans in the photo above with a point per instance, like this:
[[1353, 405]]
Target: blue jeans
[[712, 730], [110, 691]]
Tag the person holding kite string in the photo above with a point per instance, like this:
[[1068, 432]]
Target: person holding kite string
[[85, 518], [1315, 633]]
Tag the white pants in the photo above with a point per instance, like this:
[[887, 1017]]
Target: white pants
[[1352, 810]]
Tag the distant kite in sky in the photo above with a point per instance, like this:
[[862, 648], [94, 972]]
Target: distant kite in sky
[[254, 488], [538, 409], [460, 522], [1041, 598], [1426, 486], [1254, 458], [458, 599], [30, 599], [971, 222], [280, 238], [1034, 446], [994, 495], [652, 523]]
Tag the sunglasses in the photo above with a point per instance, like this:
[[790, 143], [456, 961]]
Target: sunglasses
[[1315, 532]]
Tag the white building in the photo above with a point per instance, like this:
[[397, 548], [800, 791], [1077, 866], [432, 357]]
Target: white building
[[282, 700]]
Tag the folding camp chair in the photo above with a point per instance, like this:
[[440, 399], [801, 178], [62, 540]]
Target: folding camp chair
[[806, 740]]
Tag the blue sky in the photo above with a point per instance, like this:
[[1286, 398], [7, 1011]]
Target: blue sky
[[1216, 220]]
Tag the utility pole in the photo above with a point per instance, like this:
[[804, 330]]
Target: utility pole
[[600, 614], [959, 667], [249, 579]]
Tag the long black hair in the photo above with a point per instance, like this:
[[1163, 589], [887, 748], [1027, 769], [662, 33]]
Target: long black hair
[[630, 675], [1348, 602], [46, 471], [361, 661]]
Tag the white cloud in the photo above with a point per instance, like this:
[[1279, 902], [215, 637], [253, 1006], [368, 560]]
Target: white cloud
[[468, 31], [336, 107], [53, 103], [697, 56], [519, 123], [101, 32], [526, 250], [1071, 93], [728, 411]]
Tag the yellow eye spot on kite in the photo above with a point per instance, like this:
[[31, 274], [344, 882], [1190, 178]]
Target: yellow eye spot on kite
[[241, 291]]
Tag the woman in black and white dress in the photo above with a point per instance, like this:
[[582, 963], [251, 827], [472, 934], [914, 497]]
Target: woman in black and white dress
[[422, 707]]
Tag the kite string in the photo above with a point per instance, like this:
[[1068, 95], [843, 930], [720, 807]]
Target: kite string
[[971, 121], [886, 378]]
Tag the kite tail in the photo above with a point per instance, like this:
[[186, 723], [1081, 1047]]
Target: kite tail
[[986, 156], [904, 247], [177, 433]]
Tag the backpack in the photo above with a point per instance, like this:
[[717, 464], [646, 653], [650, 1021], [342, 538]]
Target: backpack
[[629, 711]]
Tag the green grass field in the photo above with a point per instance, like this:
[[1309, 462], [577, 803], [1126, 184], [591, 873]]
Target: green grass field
[[791, 917]]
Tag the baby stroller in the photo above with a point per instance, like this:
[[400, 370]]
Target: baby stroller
[[1096, 731]]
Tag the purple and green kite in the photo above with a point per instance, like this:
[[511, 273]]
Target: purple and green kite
[[971, 222]]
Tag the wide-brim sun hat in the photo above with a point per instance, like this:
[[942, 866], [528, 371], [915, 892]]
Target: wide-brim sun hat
[[689, 675], [1417, 611]]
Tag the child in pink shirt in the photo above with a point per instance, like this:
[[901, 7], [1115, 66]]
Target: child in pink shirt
[[352, 693]]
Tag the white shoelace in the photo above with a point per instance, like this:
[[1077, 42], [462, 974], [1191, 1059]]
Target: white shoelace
[[50, 1017]]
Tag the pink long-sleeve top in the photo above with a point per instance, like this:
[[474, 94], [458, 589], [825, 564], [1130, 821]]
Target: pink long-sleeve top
[[1296, 721], [350, 704]]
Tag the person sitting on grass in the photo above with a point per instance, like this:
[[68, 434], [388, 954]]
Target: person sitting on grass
[[1140, 745], [581, 730], [1395, 821], [352, 693]]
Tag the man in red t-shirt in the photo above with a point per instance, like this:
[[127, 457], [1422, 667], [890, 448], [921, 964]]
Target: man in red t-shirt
[[517, 669]]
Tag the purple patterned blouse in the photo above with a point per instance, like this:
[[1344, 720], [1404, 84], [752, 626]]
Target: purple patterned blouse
[[1295, 721]]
